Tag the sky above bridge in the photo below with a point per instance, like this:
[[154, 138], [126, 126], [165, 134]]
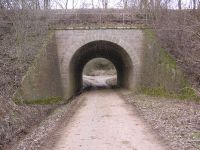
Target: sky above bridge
[[61, 4]]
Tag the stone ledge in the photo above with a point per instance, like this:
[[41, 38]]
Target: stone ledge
[[99, 28]]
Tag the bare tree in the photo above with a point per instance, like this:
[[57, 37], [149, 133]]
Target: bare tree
[[158, 4], [23, 4], [152, 4], [34, 4], [198, 4], [125, 3], [37, 4], [73, 4], [46, 4], [61, 4], [134, 3], [84, 4], [92, 1], [1, 5], [179, 4], [66, 4], [104, 3], [194, 4], [143, 4]]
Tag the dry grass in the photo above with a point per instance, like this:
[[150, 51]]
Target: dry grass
[[18, 46]]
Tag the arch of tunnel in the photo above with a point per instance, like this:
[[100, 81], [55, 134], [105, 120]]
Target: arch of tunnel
[[59, 72], [104, 49], [75, 48]]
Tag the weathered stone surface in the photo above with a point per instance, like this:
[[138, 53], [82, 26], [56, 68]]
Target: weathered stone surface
[[76, 47], [139, 62], [42, 81], [57, 71]]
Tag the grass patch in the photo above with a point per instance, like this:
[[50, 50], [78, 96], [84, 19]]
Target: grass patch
[[186, 93], [44, 101], [196, 135]]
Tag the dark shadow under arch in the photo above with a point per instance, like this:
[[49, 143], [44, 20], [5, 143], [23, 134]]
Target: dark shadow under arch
[[104, 49]]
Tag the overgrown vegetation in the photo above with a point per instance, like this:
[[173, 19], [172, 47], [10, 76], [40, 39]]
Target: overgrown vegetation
[[186, 93], [178, 33], [161, 74], [22, 33]]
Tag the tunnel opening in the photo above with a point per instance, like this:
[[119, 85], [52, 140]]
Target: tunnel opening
[[99, 73], [100, 49]]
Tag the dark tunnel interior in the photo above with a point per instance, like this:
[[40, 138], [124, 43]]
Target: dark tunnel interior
[[104, 49]]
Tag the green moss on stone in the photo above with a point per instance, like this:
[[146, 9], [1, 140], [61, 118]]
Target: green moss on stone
[[161, 75], [149, 34], [167, 59]]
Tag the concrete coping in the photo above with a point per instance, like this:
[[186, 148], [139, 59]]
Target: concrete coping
[[99, 28]]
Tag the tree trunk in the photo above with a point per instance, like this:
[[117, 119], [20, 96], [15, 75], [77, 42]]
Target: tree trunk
[[23, 4], [125, 4], [46, 4], [1, 5], [92, 4], [143, 4], [106, 4], [37, 4], [158, 5], [152, 4], [179, 4], [199, 4], [8, 5], [66, 4], [194, 4], [73, 4]]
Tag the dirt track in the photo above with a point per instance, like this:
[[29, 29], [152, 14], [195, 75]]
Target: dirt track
[[105, 122]]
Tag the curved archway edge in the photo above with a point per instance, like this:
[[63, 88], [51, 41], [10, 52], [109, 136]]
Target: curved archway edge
[[76, 48], [104, 49]]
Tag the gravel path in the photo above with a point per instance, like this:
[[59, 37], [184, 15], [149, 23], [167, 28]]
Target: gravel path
[[103, 122]]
